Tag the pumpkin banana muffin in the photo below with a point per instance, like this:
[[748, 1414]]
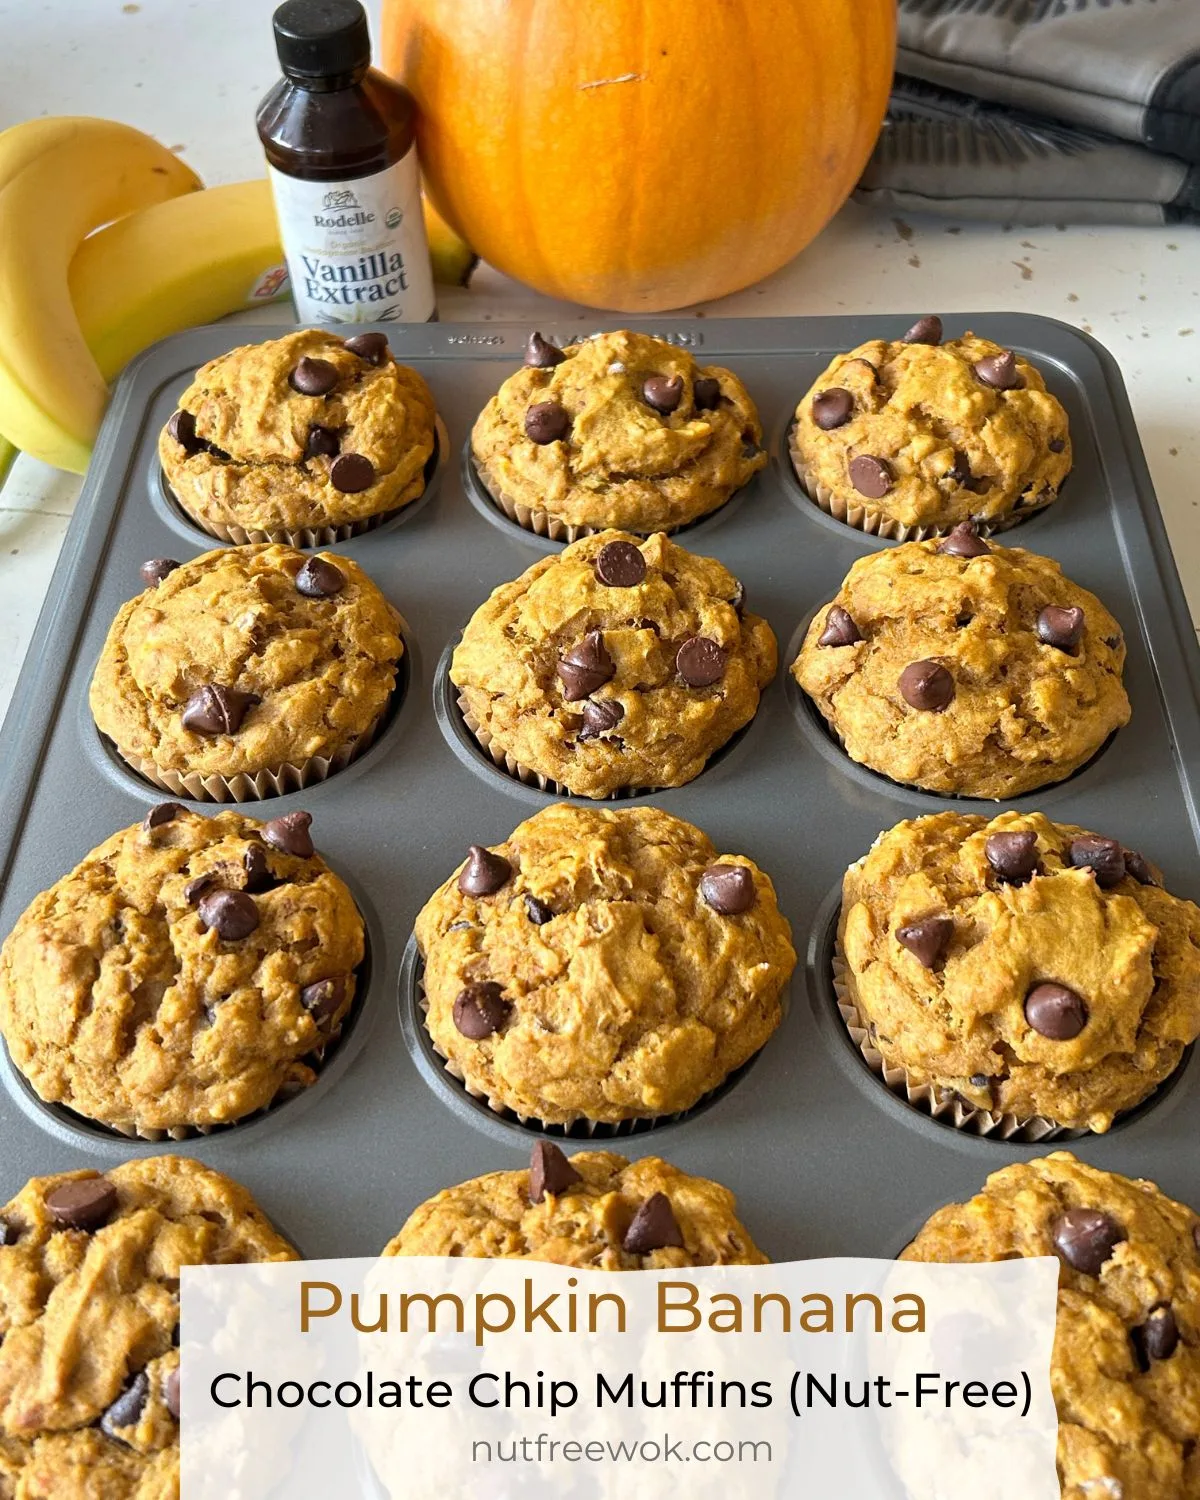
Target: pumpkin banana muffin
[[965, 668], [911, 436], [89, 1319], [187, 973], [1125, 1371], [300, 436], [619, 663], [247, 671], [1029, 968], [621, 430], [603, 965], [593, 1209]]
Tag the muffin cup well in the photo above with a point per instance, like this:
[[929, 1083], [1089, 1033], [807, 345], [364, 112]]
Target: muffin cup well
[[929, 1099], [862, 516]]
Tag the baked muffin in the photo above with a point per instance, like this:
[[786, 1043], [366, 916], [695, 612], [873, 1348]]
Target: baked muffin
[[594, 1209], [618, 663], [602, 964], [621, 430], [965, 668], [307, 438], [89, 1316], [1126, 1365], [247, 672], [187, 973], [911, 436], [1028, 967]]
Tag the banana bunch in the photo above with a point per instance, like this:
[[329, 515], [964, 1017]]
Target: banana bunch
[[108, 242]]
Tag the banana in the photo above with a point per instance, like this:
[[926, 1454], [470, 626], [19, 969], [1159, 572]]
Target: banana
[[453, 259], [85, 174]]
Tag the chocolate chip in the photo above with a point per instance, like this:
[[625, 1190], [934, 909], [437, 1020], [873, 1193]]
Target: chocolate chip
[[313, 377], [663, 393], [1085, 1238], [728, 889], [700, 661], [351, 473], [373, 347], [171, 1392], [155, 569], [324, 998], [706, 393], [1139, 867], [84, 1204], [290, 833], [1056, 444], [585, 667], [215, 451], [600, 717], [654, 1227], [480, 1010], [840, 629], [1013, 855], [322, 442], [870, 476], [620, 565], [9, 1233], [484, 872], [832, 408], [964, 541], [549, 1172], [1156, 1338], [927, 941], [999, 371], [537, 911], [927, 685], [182, 427], [196, 887], [541, 354], [258, 871], [128, 1407], [217, 710], [547, 422], [319, 579], [926, 330], [1055, 1012], [980, 1080], [232, 915], [1104, 857], [163, 812], [1062, 628]]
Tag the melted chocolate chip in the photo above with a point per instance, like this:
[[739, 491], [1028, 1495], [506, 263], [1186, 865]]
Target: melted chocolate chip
[[171, 1392], [86, 1203], [928, 940], [1062, 628], [484, 872], [547, 422], [927, 685], [1140, 868], [258, 871], [541, 354], [1157, 1338], [654, 1227], [9, 1233], [319, 579], [313, 377], [373, 347], [585, 667], [1013, 855], [663, 393], [215, 709], [196, 887], [728, 889], [999, 371], [706, 393], [537, 911], [1104, 857], [155, 569], [926, 330], [1055, 1012], [700, 661], [832, 408], [1086, 1238], [840, 629], [964, 541], [600, 717], [290, 833], [162, 812], [324, 998], [480, 1010], [322, 442], [870, 476], [620, 565], [1056, 444], [549, 1172], [232, 915], [182, 427], [351, 473], [128, 1407]]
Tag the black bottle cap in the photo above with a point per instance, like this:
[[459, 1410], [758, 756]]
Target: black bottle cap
[[322, 38]]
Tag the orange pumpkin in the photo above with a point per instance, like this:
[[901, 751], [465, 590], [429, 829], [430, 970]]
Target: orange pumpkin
[[637, 155]]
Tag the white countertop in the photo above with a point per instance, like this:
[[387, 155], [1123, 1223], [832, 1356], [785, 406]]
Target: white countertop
[[192, 71]]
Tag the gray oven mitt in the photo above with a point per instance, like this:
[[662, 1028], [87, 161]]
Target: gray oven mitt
[[1126, 68], [941, 152]]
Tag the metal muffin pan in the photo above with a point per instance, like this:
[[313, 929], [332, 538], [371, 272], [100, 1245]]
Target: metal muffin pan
[[823, 1158]]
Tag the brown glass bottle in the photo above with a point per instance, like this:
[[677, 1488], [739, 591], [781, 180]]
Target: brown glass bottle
[[339, 141]]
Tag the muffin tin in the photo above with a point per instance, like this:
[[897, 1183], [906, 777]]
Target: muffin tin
[[823, 1158]]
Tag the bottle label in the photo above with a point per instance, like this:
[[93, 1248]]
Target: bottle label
[[356, 250]]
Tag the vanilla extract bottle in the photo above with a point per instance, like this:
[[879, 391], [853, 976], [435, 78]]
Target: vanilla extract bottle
[[339, 137]]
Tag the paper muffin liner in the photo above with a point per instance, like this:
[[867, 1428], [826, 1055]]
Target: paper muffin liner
[[580, 1126], [865, 517], [930, 1099], [274, 781], [313, 536]]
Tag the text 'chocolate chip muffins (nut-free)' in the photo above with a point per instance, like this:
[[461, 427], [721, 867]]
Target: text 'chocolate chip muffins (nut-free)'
[[189, 972], [602, 965], [622, 431], [89, 1321], [306, 439], [620, 664], [965, 668], [909, 437], [1016, 975], [247, 672], [1125, 1371]]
